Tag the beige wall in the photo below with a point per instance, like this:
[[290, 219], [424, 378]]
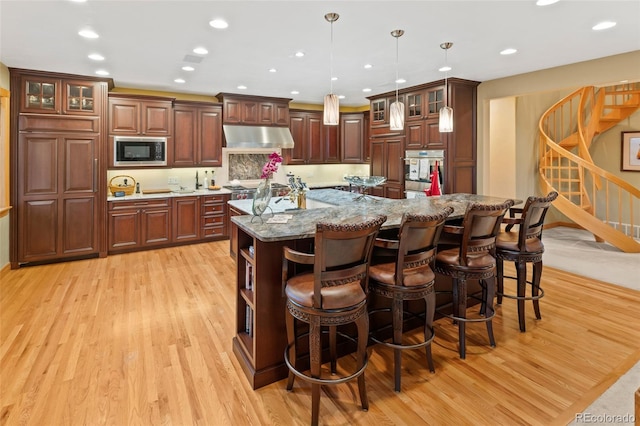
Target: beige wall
[[534, 93], [4, 220]]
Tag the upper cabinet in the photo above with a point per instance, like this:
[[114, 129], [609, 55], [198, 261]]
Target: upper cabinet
[[43, 94], [314, 143], [254, 110], [197, 134], [352, 139], [140, 115], [379, 114]]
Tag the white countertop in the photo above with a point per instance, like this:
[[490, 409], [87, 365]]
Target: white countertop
[[170, 194]]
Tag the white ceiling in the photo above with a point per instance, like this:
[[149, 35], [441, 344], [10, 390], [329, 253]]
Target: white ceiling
[[145, 42]]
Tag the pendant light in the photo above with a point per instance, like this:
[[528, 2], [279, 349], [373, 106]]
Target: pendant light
[[331, 102], [445, 123], [396, 110]]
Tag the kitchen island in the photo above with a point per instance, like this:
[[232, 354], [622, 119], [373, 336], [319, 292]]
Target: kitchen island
[[260, 313]]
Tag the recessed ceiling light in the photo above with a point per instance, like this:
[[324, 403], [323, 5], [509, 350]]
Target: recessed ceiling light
[[200, 51], [219, 24], [241, 87], [179, 80], [401, 80], [187, 68], [295, 92], [78, 1], [445, 68], [509, 51], [366, 90], [299, 54], [102, 72], [546, 2], [603, 25], [334, 78], [368, 66], [341, 96], [272, 70], [96, 57], [87, 33]]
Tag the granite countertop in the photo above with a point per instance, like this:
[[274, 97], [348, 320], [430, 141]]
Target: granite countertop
[[144, 196], [345, 210]]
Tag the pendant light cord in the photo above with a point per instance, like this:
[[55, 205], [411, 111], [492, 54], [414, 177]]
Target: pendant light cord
[[331, 62], [396, 69]]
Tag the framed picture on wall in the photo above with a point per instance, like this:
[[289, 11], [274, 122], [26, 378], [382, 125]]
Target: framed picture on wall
[[630, 158]]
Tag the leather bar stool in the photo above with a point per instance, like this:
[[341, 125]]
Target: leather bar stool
[[472, 259], [334, 294], [523, 247], [408, 277]]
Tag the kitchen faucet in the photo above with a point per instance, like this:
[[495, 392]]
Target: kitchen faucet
[[198, 184]]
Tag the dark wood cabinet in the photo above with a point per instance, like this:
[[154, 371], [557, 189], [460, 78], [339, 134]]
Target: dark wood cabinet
[[140, 115], [352, 138], [233, 231], [421, 131], [138, 224], [387, 160], [197, 134], [254, 110], [213, 217], [314, 143], [57, 167], [186, 219]]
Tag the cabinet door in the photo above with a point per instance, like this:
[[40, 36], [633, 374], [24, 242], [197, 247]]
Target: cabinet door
[[394, 159], [433, 138], [156, 118], [378, 112], [415, 106], [210, 129], [414, 135], [315, 141], [186, 218], [156, 226], [297, 126], [352, 138], [435, 101], [232, 111], [81, 97], [281, 115], [378, 158], [124, 229], [250, 112], [393, 191], [41, 95], [185, 121], [38, 230], [265, 111], [124, 117]]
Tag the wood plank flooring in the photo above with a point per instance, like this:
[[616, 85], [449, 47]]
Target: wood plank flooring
[[145, 339]]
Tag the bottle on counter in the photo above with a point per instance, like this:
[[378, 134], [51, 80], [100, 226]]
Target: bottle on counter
[[213, 180], [205, 182]]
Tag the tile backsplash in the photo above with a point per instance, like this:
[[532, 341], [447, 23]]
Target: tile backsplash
[[246, 166]]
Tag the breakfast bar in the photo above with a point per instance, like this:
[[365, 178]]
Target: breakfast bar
[[260, 314]]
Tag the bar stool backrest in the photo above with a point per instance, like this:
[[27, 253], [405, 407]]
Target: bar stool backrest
[[481, 224], [532, 218]]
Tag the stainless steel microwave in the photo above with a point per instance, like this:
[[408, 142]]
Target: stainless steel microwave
[[135, 151]]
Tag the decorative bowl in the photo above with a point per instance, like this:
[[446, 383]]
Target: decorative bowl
[[366, 181]]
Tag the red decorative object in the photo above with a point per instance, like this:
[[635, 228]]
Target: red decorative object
[[435, 183]]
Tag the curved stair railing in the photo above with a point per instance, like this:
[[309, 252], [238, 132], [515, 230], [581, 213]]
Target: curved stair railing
[[598, 201]]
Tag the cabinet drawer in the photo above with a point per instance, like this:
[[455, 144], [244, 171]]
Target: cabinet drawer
[[212, 220], [139, 204], [213, 231], [212, 199], [215, 209]]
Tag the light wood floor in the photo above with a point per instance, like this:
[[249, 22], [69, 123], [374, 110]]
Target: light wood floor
[[145, 339]]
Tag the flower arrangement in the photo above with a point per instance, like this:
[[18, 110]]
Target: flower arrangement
[[271, 166]]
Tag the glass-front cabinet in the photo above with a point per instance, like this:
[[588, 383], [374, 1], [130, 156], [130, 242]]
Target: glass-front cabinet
[[435, 100], [378, 111], [415, 107], [43, 95]]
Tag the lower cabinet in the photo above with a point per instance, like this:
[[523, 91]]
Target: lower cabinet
[[138, 224], [213, 217], [149, 223]]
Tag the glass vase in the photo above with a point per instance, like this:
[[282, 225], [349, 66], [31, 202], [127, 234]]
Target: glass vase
[[262, 197]]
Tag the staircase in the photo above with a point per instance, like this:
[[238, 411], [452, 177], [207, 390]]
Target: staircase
[[598, 201]]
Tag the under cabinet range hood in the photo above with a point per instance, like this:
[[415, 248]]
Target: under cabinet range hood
[[257, 136]]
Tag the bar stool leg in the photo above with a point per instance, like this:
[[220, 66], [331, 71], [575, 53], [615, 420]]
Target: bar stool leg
[[397, 338], [460, 310], [291, 338], [535, 287], [500, 279], [315, 356], [362, 324], [521, 267], [430, 304], [332, 347], [490, 286]]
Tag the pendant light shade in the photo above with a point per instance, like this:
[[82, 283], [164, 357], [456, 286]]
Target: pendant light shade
[[331, 110], [445, 123], [396, 110], [331, 102]]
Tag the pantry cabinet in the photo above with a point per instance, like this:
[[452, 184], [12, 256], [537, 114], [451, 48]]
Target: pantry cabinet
[[197, 134], [58, 129], [387, 160]]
